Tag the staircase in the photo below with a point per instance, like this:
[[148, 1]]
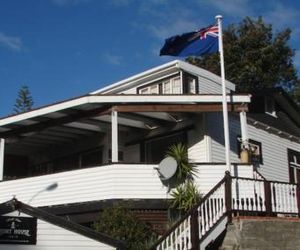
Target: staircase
[[231, 196]]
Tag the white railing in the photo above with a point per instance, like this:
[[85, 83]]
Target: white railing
[[248, 195], [198, 222], [284, 197], [230, 196]]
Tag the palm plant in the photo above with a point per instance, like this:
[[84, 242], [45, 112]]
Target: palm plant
[[185, 170], [185, 196]]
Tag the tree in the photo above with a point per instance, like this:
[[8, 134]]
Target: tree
[[121, 223], [255, 57], [24, 101]]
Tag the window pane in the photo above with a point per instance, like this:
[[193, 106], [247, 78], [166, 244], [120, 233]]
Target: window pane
[[154, 89], [167, 87], [191, 85], [144, 91], [176, 86]]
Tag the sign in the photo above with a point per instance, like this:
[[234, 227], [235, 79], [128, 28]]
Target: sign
[[18, 230]]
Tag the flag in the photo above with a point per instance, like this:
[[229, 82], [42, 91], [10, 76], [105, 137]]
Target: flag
[[197, 43]]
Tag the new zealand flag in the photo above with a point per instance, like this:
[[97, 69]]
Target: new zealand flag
[[197, 43]]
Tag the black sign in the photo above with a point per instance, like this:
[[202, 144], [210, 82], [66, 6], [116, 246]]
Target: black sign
[[17, 230]]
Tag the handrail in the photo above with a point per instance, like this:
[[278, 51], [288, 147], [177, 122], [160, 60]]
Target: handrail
[[259, 174], [189, 214], [238, 194]]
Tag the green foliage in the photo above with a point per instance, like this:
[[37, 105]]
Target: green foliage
[[185, 170], [185, 196], [255, 57], [120, 223], [24, 101]]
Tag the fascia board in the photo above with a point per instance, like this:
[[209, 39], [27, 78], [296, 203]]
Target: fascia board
[[204, 73], [44, 110], [111, 99], [136, 77]]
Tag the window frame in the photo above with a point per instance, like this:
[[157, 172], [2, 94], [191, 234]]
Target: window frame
[[252, 157], [294, 177]]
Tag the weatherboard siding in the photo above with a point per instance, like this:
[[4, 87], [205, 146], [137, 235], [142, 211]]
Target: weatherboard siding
[[119, 181], [51, 237], [274, 151], [207, 86], [208, 176], [215, 130], [274, 147], [197, 151]]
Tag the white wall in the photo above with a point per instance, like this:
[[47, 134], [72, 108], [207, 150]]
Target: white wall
[[208, 86], [197, 148], [214, 124], [51, 237], [210, 174], [117, 181], [274, 148]]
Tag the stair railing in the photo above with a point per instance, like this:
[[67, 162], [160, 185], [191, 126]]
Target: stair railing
[[187, 233], [231, 196]]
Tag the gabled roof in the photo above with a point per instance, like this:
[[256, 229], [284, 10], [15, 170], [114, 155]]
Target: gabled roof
[[86, 115], [157, 72], [14, 205]]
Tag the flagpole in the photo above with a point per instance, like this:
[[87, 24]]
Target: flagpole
[[224, 100]]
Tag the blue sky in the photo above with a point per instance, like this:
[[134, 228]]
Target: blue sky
[[66, 48]]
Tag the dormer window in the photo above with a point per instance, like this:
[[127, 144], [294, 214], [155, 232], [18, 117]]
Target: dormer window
[[190, 84], [270, 106], [173, 85], [168, 86]]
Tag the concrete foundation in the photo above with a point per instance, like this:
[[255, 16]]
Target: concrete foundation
[[262, 234]]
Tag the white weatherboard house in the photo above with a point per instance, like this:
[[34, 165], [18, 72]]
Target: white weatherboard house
[[105, 146]]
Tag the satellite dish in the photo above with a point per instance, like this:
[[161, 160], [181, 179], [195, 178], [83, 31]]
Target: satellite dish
[[167, 168]]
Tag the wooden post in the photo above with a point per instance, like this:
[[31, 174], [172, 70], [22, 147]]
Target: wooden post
[[114, 136], [228, 195], [195, 230], [2, 144], [298, 198], [268, 199]]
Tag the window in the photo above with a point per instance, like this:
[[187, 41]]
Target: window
[[152, 89], [294, 166], [144, 91], [176, 86], [270, 105], [190, 83], [169, 86], [155, 149], [255, 151]]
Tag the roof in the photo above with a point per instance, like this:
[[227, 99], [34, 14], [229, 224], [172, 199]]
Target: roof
[[154, 73], [67, 121], [14, 205], [286, 121]]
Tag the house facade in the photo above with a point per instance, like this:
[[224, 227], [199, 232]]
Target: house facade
[[106, 146]]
